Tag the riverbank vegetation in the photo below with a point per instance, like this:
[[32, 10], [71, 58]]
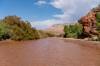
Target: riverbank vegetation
[[12, 27], [75, 31], [72, 31], [98, 23]]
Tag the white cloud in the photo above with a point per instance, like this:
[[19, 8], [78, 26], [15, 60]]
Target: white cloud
[[73, 9], [41, 2]]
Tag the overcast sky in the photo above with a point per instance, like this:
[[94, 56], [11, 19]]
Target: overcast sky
[[44, 13]]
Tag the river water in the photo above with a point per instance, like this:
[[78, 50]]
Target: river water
[[48, 52]]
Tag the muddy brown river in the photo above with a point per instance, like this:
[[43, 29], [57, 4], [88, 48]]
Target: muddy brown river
[[49, 52]]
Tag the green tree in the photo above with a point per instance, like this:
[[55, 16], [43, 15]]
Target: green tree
[[72, 31], [4, 31], [66, 30], [17, 29]]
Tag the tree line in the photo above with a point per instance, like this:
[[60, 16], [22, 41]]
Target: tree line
[[14, 28]]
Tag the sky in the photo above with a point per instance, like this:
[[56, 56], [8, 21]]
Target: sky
[[45, 13]]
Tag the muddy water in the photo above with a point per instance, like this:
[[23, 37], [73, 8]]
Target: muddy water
[[47, 52]]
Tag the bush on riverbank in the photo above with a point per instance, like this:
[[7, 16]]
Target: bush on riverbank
[[72, 31], [98, 21], [4, 31], [12, 27], [98, 24]]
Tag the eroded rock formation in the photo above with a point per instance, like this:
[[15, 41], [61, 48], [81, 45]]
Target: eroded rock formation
[[89, 22]]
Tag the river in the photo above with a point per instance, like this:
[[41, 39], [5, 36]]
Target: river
[[48, 52]]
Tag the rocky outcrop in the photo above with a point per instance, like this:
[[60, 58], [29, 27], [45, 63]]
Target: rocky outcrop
[[89, 22]]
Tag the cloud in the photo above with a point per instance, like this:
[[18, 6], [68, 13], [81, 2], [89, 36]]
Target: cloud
[[41, 2], [73, 9]]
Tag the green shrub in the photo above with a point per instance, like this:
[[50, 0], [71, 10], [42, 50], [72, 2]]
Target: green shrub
[[12, 27], [4, 31], [72, 31]]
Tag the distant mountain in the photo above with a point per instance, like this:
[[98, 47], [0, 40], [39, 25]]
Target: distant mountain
[[56, 29]]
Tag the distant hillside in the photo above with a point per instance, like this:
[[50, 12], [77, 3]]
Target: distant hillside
[[57, 28]]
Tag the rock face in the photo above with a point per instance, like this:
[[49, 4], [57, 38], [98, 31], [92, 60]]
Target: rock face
[[89, 22]]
